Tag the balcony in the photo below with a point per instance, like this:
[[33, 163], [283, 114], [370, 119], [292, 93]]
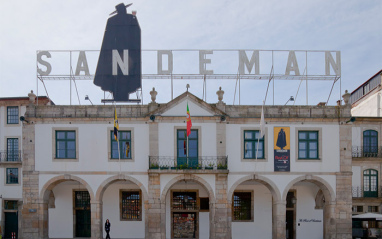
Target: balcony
[[366, 152], [13, 156], [358, 192], [186, 163]]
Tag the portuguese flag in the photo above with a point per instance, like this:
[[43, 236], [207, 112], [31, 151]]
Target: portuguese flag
[[189, 123]]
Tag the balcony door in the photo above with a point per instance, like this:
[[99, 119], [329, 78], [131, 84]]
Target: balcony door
[[370, 183], [182, 147]]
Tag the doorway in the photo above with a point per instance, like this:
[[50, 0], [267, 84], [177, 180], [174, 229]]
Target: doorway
[[185, 214], [11, 224], [290, 215], [82, 214]]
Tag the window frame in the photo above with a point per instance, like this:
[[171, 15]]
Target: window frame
[[112, 139], [242, 149], [251, 206], [54, 144], [7, 182], [16, 156], [10, 116], [254, 142], [132, 141], [199, 144], [368, 173], [66, 140], [369, 139], [318, 140], [121, 191]]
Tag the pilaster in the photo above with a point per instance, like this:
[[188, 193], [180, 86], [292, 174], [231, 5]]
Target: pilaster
[[96, 219], [278, 219], [222, 217], [154, 209]]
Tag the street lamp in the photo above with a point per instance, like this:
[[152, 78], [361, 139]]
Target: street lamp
[[290, 99]]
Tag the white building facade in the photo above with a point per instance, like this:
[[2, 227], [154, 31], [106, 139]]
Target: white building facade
[[156, 183]]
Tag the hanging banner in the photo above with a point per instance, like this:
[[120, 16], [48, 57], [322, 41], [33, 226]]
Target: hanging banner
[[281, 136]]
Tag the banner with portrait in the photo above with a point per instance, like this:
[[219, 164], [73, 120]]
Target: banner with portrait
[[281, 138]]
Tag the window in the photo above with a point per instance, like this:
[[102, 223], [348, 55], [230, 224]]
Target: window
[[357, 208], [131, 205], [253, 145], [308, 144], [370, 183], [370, 143], [13, 149], [10, 205], [65, 144], [124, 145], [192, 159], [242, 206], [184, 201], [372, 208], [82, 200], [204, 204], [12, 115], [12, 176]]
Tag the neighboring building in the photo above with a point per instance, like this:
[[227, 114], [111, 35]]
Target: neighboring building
[[367, 152], [73, 179], [366, 99], [11, 109]]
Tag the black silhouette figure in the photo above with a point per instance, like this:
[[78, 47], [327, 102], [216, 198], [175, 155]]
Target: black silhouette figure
[[107, 228], [281, 139], [122, 33]]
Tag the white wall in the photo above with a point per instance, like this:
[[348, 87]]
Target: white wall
[[111, 211], [370, 106], [330, 158], [356, 177], [305, 209], [261, 227], [93, 147]]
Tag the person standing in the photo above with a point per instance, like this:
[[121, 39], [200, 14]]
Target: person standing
[[107, 228]]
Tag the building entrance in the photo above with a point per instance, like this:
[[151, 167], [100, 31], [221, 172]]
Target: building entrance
[[185, 214], [290, 215], [82, 214], [11, 224]]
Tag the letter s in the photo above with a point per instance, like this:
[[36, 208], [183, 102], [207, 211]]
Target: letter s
[[45, 63]]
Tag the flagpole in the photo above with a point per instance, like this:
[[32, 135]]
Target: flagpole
[[119, 151]]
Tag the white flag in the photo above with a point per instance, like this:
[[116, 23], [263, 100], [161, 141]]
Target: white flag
[[262, 122]]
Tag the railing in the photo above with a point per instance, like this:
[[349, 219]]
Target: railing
[[10, 156], [366, 152], [197, 163], [358, 192]]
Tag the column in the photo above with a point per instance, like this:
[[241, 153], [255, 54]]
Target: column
[[278, 219], [96, 219], [154, 209], [222, 220]]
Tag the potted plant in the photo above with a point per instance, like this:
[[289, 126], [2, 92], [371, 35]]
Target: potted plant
[[209, 166], [154, 166], [222, 166]]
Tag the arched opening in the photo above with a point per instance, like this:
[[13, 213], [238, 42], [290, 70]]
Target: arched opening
[[123, 201], [253, 199], [309, 208], [189, 208], [66, 207]]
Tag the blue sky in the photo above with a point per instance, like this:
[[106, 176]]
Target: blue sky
[[353, 27]]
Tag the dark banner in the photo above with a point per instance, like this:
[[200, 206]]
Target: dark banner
[[281, 149]]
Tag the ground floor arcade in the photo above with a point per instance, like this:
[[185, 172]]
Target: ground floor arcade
[[189, 205]]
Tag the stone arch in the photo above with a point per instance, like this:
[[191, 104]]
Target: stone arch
[[327, 190], [195, 178], [265, 181], [48, 186], [101, 189]]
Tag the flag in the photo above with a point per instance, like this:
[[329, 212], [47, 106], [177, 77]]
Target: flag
[[116, 126], [262, 123], [189, 123], [127, 149]]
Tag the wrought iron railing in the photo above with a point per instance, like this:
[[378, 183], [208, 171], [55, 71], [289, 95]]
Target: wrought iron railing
[[366, 152], [358, 192], [10, 156], [198, 163]]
